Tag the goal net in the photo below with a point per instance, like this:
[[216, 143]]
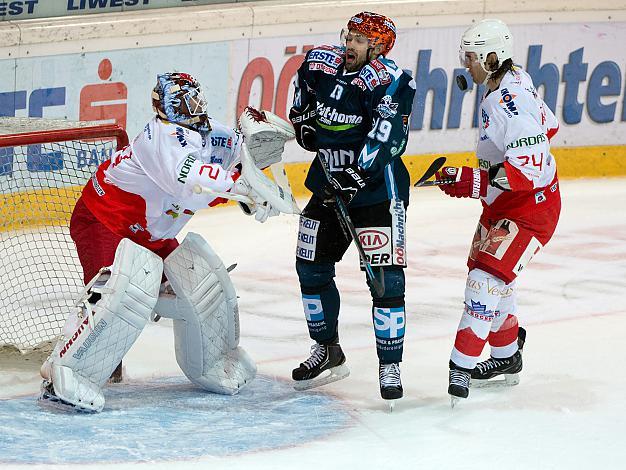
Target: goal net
[[43, 166]]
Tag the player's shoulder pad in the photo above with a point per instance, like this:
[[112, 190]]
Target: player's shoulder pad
[[148, 133], [524, 82], [516, 92], [222, 135], [176, 135], [379, 72], [326, 58]]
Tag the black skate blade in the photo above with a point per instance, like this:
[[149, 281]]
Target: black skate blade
[[53, 403], [335, 374], [49, 401], [509, 380]]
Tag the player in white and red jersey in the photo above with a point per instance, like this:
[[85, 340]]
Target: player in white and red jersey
[[518, 187], [145, 191], [124, 226]]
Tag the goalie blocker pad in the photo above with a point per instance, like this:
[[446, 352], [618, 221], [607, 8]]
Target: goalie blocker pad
[[206, 318], [97, 338], [254, 184]]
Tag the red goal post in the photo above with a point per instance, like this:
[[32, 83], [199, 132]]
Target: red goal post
[[44, 165]]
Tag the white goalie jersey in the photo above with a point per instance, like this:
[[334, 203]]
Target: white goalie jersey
[[144, 192]]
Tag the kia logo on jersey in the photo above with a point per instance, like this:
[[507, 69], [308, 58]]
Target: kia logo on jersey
[[373, 239]]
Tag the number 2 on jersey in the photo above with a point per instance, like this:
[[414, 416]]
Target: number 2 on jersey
[[213, 170]]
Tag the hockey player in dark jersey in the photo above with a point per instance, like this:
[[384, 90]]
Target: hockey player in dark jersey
[[351, 106]]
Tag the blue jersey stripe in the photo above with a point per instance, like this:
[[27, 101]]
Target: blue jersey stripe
[[390, 182]]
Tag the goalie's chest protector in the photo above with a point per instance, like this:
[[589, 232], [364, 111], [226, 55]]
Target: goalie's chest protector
[[140, 193]]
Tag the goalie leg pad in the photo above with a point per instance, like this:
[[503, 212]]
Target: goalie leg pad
[[206, 318], [83, 360]]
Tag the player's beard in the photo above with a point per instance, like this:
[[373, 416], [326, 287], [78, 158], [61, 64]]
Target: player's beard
[[354, 60]]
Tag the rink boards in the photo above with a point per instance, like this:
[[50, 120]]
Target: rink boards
[[102, 68]]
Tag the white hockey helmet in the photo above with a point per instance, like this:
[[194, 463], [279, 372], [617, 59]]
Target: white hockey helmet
[[486, 37]]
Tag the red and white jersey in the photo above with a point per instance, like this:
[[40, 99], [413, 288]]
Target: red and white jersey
[[145, 191], [516, 128]]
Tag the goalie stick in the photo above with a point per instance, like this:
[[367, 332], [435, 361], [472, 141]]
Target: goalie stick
[[198, 189], [430, 171], [377, 285]]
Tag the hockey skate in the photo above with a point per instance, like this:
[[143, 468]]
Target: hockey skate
[[48, 398], [390, 383], [459, 382], [508, 367], [326, 365]]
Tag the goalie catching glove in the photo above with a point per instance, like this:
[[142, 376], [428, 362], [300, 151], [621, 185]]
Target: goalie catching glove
[[265, 135]]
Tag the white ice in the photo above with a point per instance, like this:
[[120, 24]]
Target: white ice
[[568, 411]]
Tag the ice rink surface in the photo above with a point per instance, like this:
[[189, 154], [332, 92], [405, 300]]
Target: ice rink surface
[[568, 411]]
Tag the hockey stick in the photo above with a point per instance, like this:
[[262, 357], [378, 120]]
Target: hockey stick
[[436, 183], [232, 196], [432, 169], [378, 286], [281, 180]]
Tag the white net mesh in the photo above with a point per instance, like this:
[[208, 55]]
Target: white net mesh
[[40, 276]]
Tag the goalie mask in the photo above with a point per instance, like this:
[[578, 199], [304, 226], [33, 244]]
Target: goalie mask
[[178, 98], [377, 28]]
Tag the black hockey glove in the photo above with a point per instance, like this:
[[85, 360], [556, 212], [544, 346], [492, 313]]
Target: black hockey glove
[[345, 184], [304, 125]]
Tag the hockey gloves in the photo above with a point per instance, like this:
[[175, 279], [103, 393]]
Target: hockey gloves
[[464, 181], [260, 208], [345, 184], [261, 212], [304, 125]]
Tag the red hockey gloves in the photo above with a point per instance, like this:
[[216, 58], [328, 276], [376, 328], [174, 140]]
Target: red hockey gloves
[[304, 125], [465, 181], [345, 184]]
